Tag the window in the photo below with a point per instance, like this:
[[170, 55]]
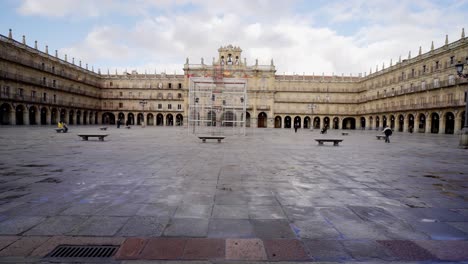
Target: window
[[180, 86], [452, 60], [105, 105], [436, 83], [437, 65], [412, 73], [450, 98], [423, 85], [44, 80], [44, 97], [110, 84], [179, 106], [121, 93], [55, 98], [179, 95], [54, 83], [424, 68], [129, 94], [159, 106], [43, 66], [53, 69], [169, 106], [170, 85], [160, 96], [33, 94], [169, 96], [120, 105]]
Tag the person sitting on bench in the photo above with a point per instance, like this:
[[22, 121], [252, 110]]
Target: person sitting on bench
[[65, 128]]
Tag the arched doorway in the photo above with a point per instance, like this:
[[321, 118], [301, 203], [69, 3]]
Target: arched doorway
[[20, 115], [262, 120], [278, 122], [422, 123], [179, 120], [85, 117], [401, 123], [462, 119], [307, 122], [326, 122], [32, 115], [70, 117], [363, 123], [287, 122], [53, 116], [247, 119], [434, 123], [108, 118], [336, 122], [130, 119], [43, 116], [384, 121], [140, 119], [377, 123], [159, 120], [297, 121], [150, 119], [169, 120], [78, 117], [410, 123], [349, 123], [392, 122], [317, 122], [63, 115], [96, 118], [371, 122], [5, 110], [228, 118], [211, 117], [449, 123]]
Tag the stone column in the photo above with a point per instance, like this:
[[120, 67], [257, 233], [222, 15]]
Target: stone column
[[13, 117], [441, 125], [416, 123], [428, 124], [405, 123], [37, 115], [48, 117], [254, 122], [26, 117], [458, 126]]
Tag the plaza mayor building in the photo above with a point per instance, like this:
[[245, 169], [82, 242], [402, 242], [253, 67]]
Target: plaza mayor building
[[421, 93]]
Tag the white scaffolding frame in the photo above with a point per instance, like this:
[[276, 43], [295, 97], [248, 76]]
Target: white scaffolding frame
[[217, 106]]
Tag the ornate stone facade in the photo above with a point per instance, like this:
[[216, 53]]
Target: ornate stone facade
[[420, 94]]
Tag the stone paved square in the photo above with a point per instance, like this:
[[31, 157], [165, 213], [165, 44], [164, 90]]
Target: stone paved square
[[269, 184]]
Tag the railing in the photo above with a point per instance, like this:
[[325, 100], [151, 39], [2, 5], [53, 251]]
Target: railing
[[48, 100], [409, 107]]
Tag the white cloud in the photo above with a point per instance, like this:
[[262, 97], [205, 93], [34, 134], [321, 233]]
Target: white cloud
[[382, 30]]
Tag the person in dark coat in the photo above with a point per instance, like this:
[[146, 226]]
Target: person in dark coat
[[118, 123], [296, 125], [388, 132]]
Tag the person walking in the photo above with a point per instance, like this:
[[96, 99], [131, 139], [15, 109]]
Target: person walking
[[296, 125], [388, 132], [118, 123]]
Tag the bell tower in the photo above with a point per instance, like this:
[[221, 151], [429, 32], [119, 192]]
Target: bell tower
[[229, 55]]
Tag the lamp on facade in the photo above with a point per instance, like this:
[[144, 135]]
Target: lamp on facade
[[459, 66]]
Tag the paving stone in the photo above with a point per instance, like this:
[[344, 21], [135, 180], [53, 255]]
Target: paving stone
[[7, 240], [144, 226], [326, 250], [294, 212], [446, 250], [59, 225], [245, 249], [163, 248], [270, 229], [285, 249], [193, 211], [462, 226], [367, 250], [163, 210], [18, 224], [230, 211], [230, 228], [231, 199], [440, 231], [126, 209], [43, 209], [315, 230], [99, 226], [84, 209], [184, 227], [407, 250], [131, 248], [266, 212], [204, 248], [23, 246]]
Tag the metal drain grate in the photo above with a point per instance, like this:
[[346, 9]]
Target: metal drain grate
[[83, 252]]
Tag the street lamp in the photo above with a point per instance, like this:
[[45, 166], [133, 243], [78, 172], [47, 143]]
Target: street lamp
[[464, 132]]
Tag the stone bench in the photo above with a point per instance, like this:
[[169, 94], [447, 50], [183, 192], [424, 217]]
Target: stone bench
[[86, 136], [379, 137], [59, 130], [204, 138], [335, 141], [103, 128]]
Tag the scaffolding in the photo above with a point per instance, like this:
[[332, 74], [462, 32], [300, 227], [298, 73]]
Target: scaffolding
[[217, 106]]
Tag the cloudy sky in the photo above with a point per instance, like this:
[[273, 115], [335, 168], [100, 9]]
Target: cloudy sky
[[311, 36]]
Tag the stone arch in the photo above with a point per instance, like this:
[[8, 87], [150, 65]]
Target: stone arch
[[401, 123], [449, 123], [71, 118], [307, 122], [297, 120], [278, 122], [422, 123], [150, 119], [336, 123], [371, 122], [159, 120], [140, 118], [247, 119], [44, 112], [108, 118], [179, 120], [262, 120], [130, 119], [377, 123], [32, 115], [287, 122], [228, 118], [19, 112], [435, 123], [211, 118], [169, 120], [316, 122], [392, 121], [363, 122], [54, 116], [63, 115], [384, 121], [326, 122], [411, 120], [349, 123], [78, 117]]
